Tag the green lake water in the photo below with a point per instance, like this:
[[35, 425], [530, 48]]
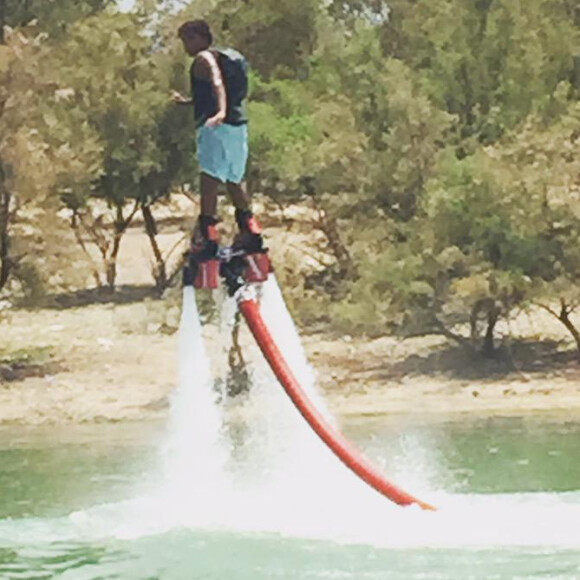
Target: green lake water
[[89, 503]]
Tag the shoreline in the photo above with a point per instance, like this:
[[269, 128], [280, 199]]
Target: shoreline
[[118, 363], [127, 391]]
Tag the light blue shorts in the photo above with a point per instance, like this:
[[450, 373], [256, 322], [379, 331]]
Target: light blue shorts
[[222, 151]]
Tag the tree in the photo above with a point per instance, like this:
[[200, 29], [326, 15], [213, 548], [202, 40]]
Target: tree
[[121, 87], [277, 36], [52, 17], [351, 11], [543, 155], [489, 62], [31, 236]]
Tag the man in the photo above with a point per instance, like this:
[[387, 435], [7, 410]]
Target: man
[[219, 87]]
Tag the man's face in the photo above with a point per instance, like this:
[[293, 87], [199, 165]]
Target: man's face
[[194, 43]]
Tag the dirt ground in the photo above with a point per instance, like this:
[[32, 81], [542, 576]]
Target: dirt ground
[[117, 361]]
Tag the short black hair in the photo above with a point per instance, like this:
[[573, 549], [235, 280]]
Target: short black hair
[[199, 27]]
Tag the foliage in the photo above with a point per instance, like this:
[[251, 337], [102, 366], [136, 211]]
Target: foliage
[[31, 229], [494, 67], [432, 146], [51, 16], [119, 87]]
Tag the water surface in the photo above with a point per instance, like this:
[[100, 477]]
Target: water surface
[[81, 504], [255, 495]]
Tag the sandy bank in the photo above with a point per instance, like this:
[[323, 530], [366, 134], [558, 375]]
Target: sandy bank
[[115, 363]]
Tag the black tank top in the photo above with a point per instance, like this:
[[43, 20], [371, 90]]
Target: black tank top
[[234, 69]]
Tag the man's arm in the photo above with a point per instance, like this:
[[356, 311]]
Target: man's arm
[[179, 99], [206, 67]]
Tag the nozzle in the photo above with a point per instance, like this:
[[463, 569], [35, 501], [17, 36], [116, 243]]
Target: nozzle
[[231, 271], [190, 268]]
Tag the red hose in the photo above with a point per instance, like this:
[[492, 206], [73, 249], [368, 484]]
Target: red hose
[[346, 452]]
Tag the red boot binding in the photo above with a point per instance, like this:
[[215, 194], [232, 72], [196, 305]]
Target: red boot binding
[[250, 239], [204, 247]]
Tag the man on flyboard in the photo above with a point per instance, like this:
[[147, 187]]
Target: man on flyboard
[[219, 87]]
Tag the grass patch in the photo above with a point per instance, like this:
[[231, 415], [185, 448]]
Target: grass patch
[[23, 363]]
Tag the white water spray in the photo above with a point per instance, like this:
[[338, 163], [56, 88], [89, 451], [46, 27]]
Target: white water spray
[[286, 481], [195, 453], [290, 483]]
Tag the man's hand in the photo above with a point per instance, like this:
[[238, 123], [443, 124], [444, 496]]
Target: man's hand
[[216, 120], [179, 99]]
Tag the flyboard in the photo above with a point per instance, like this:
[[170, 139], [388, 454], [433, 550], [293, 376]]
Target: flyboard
[[241, 272]]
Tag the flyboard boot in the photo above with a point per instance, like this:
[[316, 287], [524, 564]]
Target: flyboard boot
[[250, 241], [203, 263]]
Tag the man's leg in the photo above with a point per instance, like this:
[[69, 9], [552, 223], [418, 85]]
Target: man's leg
[[204, 242], [210, 157], [237, 153], [209, 195], [239, 195]]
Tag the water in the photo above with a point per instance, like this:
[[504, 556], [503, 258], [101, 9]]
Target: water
[[262, 498]]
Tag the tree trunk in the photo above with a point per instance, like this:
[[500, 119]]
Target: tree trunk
[[467, 94], [111, 261], [111, 266], [120, 226], [99, 233], [447, 333], [2, 19], [159, 270], [565, 319], [329, 226], [81, 243], [5, 265], [488, 346], [489, 307], [473, 333]]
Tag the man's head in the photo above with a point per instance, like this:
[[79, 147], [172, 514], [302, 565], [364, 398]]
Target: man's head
[[195, 35]]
